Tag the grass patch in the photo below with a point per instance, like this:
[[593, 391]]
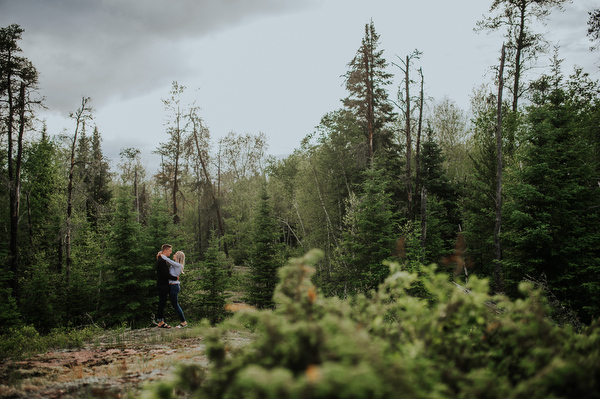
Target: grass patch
[[21, 342]]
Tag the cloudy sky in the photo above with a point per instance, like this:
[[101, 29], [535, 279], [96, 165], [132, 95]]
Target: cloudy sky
[[270, 66]]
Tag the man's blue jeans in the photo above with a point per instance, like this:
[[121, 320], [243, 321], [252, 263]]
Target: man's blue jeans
[[169, 292]]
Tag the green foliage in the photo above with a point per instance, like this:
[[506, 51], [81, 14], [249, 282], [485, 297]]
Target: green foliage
[[25, 340], [368, 237], [461, 344], [553, 228], [160, 225], [442, 201], [127, 292], [9, 312], [214, 282], [264, 255]]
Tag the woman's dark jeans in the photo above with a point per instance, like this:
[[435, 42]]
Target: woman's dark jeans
[[169, 292]]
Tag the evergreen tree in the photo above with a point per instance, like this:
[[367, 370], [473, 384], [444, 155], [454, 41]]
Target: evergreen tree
[[368, 97], [264, 260], [553, 213], [42, 187], [98, 191], [441, 201], [18, 80], [214, 282], [160, 229], [368, 237], [127, 293]]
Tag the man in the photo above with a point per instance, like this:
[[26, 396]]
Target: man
[[163, 279]]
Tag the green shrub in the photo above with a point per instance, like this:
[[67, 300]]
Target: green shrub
[[389, 344], [23, 341]]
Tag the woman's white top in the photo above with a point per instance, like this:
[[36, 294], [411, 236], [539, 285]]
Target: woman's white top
[[175, 268]]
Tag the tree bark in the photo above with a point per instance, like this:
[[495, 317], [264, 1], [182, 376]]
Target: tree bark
[[419, 131], [498, 283], [408, 141], [518, 67], [367, 55], [423, 216], [15, 184]]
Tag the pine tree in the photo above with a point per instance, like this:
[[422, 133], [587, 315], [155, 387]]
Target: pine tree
[[553, 212], [441, 201], [98, 191], [368, 237], [127, 293], [214, 282], [368, 98], [264, 260]]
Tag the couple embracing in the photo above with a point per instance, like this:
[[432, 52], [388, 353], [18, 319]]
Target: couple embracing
[[167, 282]]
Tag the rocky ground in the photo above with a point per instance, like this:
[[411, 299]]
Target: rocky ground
[[112, 366]]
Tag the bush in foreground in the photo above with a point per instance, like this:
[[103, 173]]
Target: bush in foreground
[[390, 345]]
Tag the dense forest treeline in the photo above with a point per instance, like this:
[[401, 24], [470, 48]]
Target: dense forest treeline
[[385, 177]]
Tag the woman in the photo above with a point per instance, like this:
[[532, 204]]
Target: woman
[[175, 269]]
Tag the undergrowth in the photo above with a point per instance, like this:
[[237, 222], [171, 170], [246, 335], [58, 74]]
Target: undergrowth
[[457, 343], [20, 342]]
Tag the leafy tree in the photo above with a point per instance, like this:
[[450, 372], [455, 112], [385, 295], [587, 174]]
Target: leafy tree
[[133, 173], [553, 211], [264, 261], [594, 26], [172, 151], [241, 164], [450, 124]]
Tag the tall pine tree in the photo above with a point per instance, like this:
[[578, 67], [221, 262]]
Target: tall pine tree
[[264, 259], [553, 213]]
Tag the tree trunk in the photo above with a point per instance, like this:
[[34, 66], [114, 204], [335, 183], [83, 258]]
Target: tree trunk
[[497, 228], [423, 217], [370, 106], [175, 175], [519, 45], [15, 186], [136, 194], [13, 242], [419, 130], [408, 142]]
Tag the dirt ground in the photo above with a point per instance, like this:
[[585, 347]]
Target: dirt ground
[[110, 367]]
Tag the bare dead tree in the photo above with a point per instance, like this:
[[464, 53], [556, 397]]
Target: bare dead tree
[[197, 128], [83, 114], [498, 225], [404, 103]]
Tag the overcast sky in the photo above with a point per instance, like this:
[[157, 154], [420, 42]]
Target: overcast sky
[[270, 66]]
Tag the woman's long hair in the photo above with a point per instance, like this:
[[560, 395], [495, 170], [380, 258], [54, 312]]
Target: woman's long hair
[[179, 257]]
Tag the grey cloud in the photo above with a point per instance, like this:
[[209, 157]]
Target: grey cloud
[[111, 49]]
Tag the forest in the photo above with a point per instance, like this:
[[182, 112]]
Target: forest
[[394, 201]]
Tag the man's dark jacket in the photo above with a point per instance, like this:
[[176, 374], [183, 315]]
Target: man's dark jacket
[[162, 272]]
